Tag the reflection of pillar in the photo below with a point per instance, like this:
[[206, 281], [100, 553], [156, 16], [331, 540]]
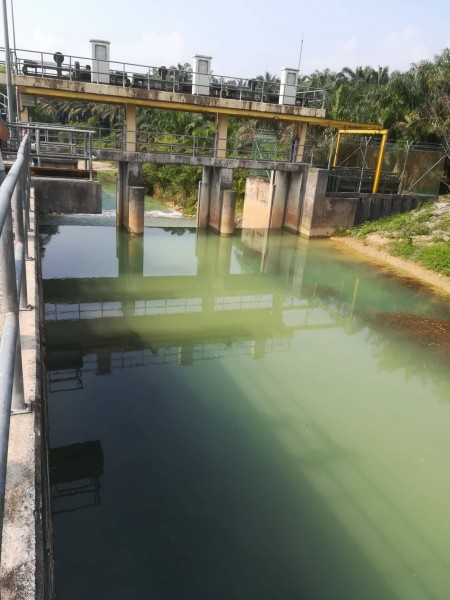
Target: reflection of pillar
[[103, 362], [258, 348], [221, 135], [185, 354], [130, 252], [130, 123], [224, 248]]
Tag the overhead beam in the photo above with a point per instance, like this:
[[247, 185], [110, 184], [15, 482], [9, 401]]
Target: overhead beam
[[108, 94]]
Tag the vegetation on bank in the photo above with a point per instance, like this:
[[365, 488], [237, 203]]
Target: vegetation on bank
[[422, 235]]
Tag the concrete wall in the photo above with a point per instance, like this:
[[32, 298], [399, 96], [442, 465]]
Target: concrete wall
[[257, 203], [298, 202], [322, 215], [67, 196]]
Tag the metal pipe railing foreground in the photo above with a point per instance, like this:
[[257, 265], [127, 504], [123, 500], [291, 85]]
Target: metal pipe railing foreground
[[12, 265]]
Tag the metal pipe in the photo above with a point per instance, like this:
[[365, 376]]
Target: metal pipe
[[21, 280], [7, 361], [18, 404], [9, 86]]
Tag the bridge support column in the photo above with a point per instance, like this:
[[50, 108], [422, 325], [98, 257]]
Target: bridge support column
[[221, 136], [279, 185], [203, 199], [129, 176], [130, 131], [301, 129], [216, 208], [136, 210]]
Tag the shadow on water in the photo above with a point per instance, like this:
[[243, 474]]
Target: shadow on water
[[222, 468]]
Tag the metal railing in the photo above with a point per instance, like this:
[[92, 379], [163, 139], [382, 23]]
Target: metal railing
[[256, 148], [58, 144], [125, 74], [13, 250]]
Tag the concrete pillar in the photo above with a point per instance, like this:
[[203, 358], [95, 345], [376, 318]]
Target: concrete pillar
[[221, 179], [136, 210], [279, 181], [129, 175], [227, 213], [221, 135], [24, 114], [300, 132], [203, 199], [130, 124]]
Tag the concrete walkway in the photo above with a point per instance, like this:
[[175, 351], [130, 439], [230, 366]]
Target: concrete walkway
[[18, 561]]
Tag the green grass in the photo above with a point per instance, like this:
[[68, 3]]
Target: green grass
[[435, 257], [403, 229]]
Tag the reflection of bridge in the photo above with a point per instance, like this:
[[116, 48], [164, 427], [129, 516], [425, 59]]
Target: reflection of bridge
[[183, 318]]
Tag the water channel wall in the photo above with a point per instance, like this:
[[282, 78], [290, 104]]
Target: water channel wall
[[299, 202], [67, 196]]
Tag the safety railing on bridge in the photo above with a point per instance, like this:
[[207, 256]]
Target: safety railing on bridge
[[168, 79], [13, 250], [54, 145], [260, 148]]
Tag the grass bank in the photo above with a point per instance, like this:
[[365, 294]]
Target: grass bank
[[419, 240]]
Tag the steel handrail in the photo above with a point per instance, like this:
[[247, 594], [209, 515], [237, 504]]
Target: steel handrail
[[238, 88], [13, 248]]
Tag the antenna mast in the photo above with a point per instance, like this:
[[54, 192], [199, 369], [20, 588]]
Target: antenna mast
[[301, 50]]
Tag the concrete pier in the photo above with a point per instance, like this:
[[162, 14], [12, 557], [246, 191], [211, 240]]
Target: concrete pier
[[129, 176], [135, 210], [216, 201]]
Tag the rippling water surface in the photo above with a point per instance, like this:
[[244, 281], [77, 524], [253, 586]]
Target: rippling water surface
[[249, 418]]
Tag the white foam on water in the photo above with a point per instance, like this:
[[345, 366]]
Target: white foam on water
[[160, 214]]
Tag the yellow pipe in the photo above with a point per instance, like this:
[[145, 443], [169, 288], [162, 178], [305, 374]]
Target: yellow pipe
[[336, 152], [376, 179]]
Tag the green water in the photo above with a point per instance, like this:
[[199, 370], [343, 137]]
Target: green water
[[253, 418]]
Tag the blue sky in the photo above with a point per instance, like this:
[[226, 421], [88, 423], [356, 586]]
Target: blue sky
[[244, 37]]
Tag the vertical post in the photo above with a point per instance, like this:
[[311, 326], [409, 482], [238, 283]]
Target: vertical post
[[301, 129], [379, 167], [9, 86], [90, 156], [221, 135], [336, 152], [38, 146], [130, 123]]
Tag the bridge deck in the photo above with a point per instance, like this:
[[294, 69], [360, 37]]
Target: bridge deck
[[113, 94]]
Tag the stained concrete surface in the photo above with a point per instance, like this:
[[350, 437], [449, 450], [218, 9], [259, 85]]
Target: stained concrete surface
[[18, 560]]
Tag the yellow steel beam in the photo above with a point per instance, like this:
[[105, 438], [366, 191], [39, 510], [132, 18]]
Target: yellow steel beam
[[358, 131], [336, 152], [87, 96], [376, 179], [384, 135]]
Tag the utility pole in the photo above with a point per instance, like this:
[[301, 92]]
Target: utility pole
[[9, 87]]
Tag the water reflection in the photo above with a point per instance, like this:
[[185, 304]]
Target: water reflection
[[279, 436], [75, 473]]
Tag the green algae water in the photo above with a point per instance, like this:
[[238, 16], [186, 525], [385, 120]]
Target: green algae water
[[253, 418]]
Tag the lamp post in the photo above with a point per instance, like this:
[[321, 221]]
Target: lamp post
[[9, 86]]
